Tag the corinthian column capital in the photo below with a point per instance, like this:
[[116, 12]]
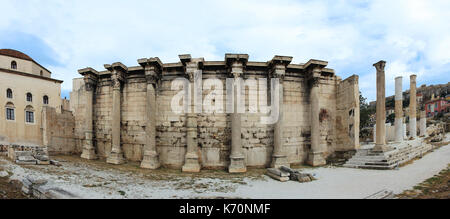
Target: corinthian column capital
[[278, 66], [152, 68], [118, 74], [380, 65], [90, 78]]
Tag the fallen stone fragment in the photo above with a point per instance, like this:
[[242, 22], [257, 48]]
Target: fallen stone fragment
[[278, 174], [34, 181], [26, 162], [57, 193], [276, 177], [25, 158], [3, 174], [383, 194], [56, 163], [296, 175], [40, 162], [304, 178]]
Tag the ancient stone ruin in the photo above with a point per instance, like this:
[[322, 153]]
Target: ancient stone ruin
[[125, 113], [387, 154]]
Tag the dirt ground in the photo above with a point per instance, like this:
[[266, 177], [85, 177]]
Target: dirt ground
[[437, 187], [97, 179], [8, 190]]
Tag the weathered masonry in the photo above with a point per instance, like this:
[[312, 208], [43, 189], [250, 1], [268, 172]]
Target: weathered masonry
[[124, 114]]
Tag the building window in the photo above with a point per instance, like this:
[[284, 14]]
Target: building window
[[13, 65], [10, 114], [9, 94], [45, 100], [29, 97], [29, 116], [42, 73]]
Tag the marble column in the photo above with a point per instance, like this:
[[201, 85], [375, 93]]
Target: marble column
[[118, 71], [316, 156], [380, 143], [191, 159], [236, 63], [277, 69], [413, 108], [152, 68], [423, 124], [90, 81], [398, 109]]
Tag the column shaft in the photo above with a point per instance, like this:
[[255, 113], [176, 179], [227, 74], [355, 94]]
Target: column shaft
[[191, 161], [398, 110], [380, 143], [116, 156], [151, 159], [316, 155], [423, 124], [237, 159], [88, 147], [413, 108]]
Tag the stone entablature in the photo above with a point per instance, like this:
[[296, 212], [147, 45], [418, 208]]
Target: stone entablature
[[128, 115]]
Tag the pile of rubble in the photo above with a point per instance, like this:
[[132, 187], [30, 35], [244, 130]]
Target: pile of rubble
[[41, 189], [436, 132], [285, 174], [30, 155]]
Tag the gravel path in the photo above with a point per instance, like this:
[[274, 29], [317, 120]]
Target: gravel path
[[93, 181]]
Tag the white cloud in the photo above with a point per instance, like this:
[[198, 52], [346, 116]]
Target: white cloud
[[412, 36]]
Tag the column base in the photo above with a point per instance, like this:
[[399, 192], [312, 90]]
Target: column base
[[89, 154], [151, 161], [382, 148], [279, 160], [316, 159], [237, 164], [115, 158], [191, 164]]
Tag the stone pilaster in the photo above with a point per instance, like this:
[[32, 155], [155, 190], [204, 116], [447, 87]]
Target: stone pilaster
[[236, 63], [277, 69], [90, 82], [118, 71], [191, 160], [153, 69], [316, 156], [398, 109], [413, 107], [380, 143], [423, 124]]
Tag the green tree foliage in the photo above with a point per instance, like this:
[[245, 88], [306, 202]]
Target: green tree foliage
[[391, 118], [365, 111]]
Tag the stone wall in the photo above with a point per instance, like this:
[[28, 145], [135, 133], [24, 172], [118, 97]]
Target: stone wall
[[58, 131], [347, 120], [77, 106], [339, 117]]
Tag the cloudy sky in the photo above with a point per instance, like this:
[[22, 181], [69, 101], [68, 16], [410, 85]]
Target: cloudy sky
[[413, 36]]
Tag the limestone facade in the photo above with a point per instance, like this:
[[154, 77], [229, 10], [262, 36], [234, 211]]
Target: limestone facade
[[26, 88], [125, 114]]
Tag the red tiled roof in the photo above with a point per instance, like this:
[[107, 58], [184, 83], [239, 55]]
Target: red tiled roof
[[20, 55], [15, 54]]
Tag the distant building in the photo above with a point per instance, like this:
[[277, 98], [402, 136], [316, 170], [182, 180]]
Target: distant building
[[436, 106], [26, 87]]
